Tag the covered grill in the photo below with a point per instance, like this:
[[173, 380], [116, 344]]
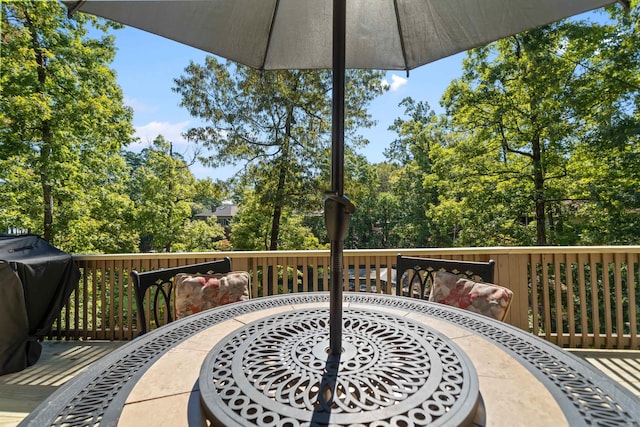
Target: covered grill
[[36, 280]]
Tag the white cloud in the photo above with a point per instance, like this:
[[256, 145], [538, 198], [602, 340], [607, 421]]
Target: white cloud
[[396, 82], [172, 132], [139, 106]]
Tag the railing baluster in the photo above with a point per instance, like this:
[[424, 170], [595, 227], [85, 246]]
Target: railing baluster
[[595, 309], [606, 294], [578, 296], [571, 315], [617, 282], [633, 277], [584, 325]]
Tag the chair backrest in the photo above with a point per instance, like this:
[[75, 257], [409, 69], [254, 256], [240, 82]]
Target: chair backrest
[[421, 272], [479, 297], [160, 285]]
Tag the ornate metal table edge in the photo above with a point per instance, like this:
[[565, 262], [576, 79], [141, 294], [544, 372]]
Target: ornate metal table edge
[[575, 384], [97, 395]]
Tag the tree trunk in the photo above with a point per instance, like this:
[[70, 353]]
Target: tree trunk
[[169, 243], [47, 191], [282, 180], [278, 202], [538, 182], [47, 139], [275, 227], [48, 210]]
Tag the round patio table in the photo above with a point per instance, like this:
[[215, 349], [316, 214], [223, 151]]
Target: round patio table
[[404, 362], [391, 371]]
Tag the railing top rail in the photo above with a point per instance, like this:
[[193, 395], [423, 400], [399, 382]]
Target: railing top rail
[[371, 252]]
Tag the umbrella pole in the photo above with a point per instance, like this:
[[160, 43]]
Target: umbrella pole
[[337, 207]]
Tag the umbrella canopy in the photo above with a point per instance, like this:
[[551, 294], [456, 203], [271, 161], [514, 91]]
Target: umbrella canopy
[[297, 34], [336, 34]]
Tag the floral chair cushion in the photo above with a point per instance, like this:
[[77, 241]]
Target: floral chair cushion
[[483, 298], [198, 292]]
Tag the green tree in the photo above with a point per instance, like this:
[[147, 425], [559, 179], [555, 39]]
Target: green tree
[[199, 236], [412, 184], [606, 166], [377, 215], [521, 109], [207, 194], [509, 101], [250, 229], [62, 121], [524, 154], [162, 189], [277, 123]]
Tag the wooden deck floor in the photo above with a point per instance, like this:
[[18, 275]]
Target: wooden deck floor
[[621, 365], [21, 392]]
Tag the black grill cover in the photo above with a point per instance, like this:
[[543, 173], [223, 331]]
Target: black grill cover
[[36, 280]]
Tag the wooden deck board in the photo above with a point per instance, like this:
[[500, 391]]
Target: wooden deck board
[[22, 392], [621, 365]]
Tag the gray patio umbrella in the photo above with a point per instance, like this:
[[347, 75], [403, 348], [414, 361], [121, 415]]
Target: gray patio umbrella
[[300, 34]]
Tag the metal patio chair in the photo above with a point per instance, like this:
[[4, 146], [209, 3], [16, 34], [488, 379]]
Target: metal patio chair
[[160, 285], [421, 273]]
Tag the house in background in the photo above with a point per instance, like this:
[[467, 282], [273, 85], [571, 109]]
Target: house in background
[[223, 213]]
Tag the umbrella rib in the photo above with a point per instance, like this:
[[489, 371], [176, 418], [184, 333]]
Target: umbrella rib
[[625, 4], [273, 20], [400, 34], [73, 9]]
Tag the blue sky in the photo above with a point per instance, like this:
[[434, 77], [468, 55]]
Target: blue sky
[[146, 65]]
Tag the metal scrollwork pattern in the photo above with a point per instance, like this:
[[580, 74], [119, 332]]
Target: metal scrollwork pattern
[[97, 396], [583, 401], [277, 371], [100, 397]]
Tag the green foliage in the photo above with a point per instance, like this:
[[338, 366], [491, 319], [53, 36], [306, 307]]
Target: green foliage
[[607, 183], [199, 236], [539, 145], [509, 103], [278, 124], [62, 120], [207, 194], [162, 188], [18, 184], [376, 221], [412, 184], [534, 125], [250, 228]]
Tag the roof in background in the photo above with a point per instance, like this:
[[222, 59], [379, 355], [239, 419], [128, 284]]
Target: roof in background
[[228, 210]]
